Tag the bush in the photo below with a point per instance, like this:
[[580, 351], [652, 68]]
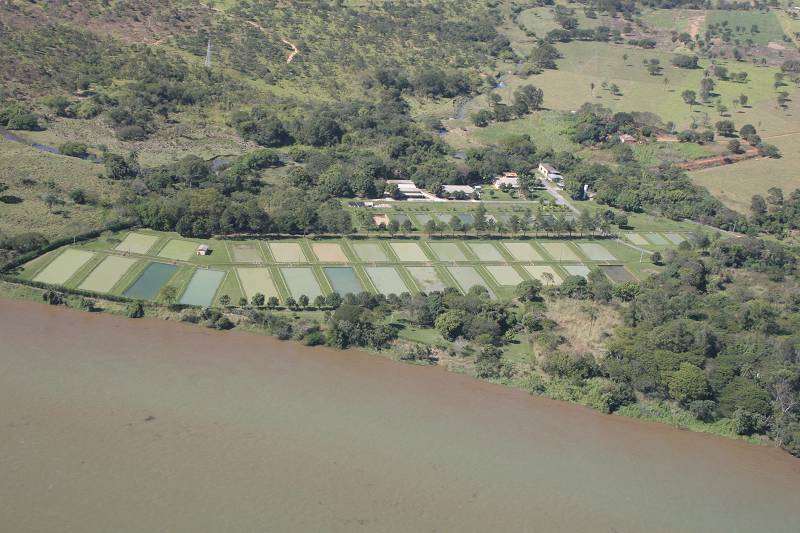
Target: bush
[[606, 395], [74, 149], [747, 423], [131, 133], [134, 310]]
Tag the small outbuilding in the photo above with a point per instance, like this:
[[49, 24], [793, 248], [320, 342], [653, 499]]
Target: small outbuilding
[[203, 249]]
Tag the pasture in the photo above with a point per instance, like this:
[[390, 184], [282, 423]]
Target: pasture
[[656, 238], [636, 239], [107, 274], [387, 280], [617, 273]]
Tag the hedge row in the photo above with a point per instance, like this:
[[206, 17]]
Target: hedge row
[[24, 258]]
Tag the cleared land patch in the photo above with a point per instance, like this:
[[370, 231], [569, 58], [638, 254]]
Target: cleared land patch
[[257, 281], [371, 252], [596, 252], [137, 243], [560, 251], [655, 238], [504, 274], [522, 251], [617, 273], [301, 280], [64, 266], [344, 280], [246, 253], [147, 285], [637, 239], [107, 273], [329, 252], [287, 252], [467, 277], [577, 270], [387, 280], [408, 251], [447, 251], [427, 278], [202, 287], [485, 251], [544, 273], [178, 249]]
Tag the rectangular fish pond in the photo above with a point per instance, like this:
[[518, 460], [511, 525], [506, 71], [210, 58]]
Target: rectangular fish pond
[[202, 287], [154, 277], [344, 280]]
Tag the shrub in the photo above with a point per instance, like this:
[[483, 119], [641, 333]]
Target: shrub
[[74, 149], [134, 310]]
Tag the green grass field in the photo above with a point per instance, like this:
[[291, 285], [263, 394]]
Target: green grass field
[[246, 253], [769, 27], [137, 243], [736, 184], [178, 249]]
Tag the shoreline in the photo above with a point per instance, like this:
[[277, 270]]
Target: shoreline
[[25, 293]]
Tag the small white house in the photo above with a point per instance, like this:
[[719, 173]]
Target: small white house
[[549, 172], [203, 249], [407, 188]]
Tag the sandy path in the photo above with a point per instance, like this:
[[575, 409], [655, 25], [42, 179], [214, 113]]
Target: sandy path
[[696, 24], [260, 28]]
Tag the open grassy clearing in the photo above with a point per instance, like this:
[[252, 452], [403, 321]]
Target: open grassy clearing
[[596, 252], [577, 270], [33, 176], [769, 28], [617, 273], [736, 184]]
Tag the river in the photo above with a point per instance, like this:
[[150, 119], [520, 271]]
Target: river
[[110, 424]]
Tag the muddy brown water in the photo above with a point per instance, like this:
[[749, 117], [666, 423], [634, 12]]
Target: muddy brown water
[[109, 424]]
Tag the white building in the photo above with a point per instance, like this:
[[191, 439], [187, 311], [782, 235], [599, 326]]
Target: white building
[[451, 189], [407, 188], [508, 179], [551, 173]]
